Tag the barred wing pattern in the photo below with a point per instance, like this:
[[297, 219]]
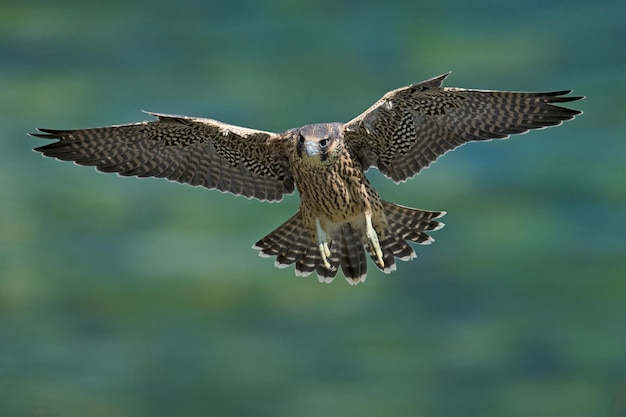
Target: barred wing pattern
[[409, 128], [196, 151]]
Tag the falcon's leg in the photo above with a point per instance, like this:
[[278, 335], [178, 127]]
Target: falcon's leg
[[373, 240], [322, 242]]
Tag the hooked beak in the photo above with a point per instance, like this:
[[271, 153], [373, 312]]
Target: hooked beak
[[311, 148]]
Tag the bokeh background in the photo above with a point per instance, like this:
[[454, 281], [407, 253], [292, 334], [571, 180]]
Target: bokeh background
[[125, 297]]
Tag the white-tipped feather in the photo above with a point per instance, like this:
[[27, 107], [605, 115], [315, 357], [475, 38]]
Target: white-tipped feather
[[439, 226], [325, 280], [293, 243], [280, 265]]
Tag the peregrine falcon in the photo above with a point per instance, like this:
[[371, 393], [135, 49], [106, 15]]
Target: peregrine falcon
[[341, 216]]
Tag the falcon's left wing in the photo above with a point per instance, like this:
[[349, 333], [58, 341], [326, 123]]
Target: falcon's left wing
[[409, 128], [189, 150]]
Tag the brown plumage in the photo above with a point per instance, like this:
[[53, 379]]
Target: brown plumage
[[341, 216]]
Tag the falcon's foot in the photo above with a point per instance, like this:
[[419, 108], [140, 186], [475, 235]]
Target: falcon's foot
[[372, 237], [322, 244]]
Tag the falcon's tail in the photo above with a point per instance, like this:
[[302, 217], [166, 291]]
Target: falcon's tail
[[292, 243]]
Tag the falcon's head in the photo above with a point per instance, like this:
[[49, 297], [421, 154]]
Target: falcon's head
[[319, 143]]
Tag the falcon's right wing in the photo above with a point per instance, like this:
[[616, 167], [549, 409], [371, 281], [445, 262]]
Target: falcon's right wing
[[189, 150]]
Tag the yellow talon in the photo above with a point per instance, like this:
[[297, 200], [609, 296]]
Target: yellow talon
[[373, 238], [322, 241], [325, 254]]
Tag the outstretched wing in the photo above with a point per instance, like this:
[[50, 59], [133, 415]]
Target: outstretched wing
[[189, 150], [409, 128]]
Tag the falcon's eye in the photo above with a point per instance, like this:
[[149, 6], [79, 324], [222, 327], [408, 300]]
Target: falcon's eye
[[300, 139], [324, 143]]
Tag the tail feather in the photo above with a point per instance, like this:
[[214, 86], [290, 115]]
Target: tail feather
[[411, 224], [292, 243], [412, 218], [353, 260], [292, 251], [396, 244], [288, 232], [308, 262], [289, 242]]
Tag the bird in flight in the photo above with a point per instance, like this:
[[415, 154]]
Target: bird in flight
[[341, 219]]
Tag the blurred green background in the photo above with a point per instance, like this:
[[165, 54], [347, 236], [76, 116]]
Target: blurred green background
[[126, 297]]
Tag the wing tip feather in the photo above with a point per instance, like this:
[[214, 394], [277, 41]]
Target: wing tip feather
[[50, 134]]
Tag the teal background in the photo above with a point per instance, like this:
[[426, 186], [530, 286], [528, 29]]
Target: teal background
[[126, 297]]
